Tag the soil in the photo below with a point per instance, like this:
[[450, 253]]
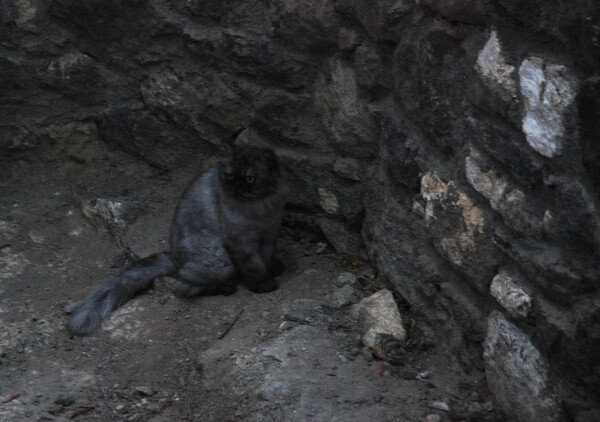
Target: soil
[[289, 355]]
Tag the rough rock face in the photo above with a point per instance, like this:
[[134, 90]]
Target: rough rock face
[[459, 137]]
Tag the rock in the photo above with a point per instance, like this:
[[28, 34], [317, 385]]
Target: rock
[[433, 418], [107, 215], [369, 68], [343, 296], [337, 101], [548, 92], [308, 25], [517, 374], [145, 390], [373, 16], [328, 201], [509, 293], [502, 192], [461, 228], [422, 375], [348, 39], [576, 216], [346, 279], [65, 399], [379, 316], [69, 308], [475, 408], [440, 405], [466, 11], [493, 69], [343, 240], [348, 168], [55, 409]]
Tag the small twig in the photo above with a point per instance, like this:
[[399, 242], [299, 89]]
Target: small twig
[[230, 325], [10, 398], [81, 411]]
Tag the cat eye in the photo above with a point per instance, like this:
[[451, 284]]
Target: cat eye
[[228, 176], [250, 179]]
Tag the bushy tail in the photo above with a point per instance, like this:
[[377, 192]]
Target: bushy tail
[[116, 291]]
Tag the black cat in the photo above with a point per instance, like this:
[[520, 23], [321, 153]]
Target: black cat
[[225, 227]]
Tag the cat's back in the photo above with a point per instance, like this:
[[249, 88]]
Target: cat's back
[[198, 205]]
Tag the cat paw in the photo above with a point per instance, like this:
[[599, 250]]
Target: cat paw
[[226, 289], [265, 286], [183, 290], [277, 268]]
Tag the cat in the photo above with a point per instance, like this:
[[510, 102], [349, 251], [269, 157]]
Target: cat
[[224, 229]]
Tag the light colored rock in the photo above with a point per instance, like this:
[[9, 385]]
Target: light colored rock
[[27, 10], [338, 102], [440, 405], [348, 39], [506, 289], [343, 240], [433, 418], [497, 188], [107, 215], [348, 168], [328, 201], [346, 279], [548, 92], [456, 246], [379, 316], [343, 296], [106, 211], [70, 63], [517, 374], [494, 70]]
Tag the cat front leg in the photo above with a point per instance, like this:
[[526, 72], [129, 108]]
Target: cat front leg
[[268, 252], [249, 261]]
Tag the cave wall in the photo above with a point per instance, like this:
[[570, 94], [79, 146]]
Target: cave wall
[[460, 138]]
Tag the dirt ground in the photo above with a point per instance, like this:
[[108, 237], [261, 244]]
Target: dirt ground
[[289, 355]]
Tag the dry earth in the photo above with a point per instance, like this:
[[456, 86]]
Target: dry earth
[[289, 355]]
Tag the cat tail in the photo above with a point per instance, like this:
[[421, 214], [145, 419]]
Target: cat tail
[[116, 291]]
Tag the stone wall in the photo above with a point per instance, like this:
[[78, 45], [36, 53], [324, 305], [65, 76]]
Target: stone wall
[[460, 138]]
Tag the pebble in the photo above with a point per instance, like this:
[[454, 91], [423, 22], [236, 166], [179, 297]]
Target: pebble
[[346, 279], [433, 418], [321, 247], [55, 409], [422, 375], [475, 407], [145, 390], [65, 399], [69, 307], [440, 405], [286, 325]]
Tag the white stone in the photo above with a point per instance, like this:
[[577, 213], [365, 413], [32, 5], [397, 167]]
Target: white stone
[[506, 290], [494, 70], [440, 405], [497, 188], [548, 91], [379, 316], [517, 374], [328, 201]]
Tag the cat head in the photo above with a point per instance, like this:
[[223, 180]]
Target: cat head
[[248, 172]]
